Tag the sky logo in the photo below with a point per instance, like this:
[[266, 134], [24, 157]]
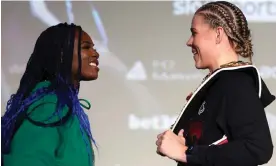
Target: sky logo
[[254, 10]]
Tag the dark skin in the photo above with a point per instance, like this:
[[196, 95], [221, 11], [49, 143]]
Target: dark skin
[[89, 59]]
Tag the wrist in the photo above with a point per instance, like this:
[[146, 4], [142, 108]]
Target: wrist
[[183, 157]]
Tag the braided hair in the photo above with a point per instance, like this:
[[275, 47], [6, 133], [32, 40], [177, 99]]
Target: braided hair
[[51, 60], [234, 23]]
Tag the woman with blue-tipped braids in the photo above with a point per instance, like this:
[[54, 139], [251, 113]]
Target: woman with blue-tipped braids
[[44, 123]]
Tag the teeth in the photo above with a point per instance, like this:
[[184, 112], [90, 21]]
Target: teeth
[[92, 64]]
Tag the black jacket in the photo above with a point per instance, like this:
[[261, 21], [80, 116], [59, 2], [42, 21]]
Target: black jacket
[[231, 102]]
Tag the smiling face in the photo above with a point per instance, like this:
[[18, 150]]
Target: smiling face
[[89, 58], [202, 42], [220, 34]]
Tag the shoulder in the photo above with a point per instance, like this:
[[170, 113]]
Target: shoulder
[[233, 81], [30, 141], [239, 93], [44, 109]]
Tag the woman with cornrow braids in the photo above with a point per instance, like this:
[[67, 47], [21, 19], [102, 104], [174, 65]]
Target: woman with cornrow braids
[[223, 122], [44, 123]]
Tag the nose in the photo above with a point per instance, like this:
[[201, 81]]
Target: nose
[[96, 54], [190, 42]]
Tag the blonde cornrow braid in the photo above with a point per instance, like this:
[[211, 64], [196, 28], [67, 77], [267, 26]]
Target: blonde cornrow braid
[[224, 19], [246, 48], [234, 23]]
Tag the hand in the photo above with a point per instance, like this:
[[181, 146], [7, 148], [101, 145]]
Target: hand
[[189, 96], [158, 137], [172, 145]]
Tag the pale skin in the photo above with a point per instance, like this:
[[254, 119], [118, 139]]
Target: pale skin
[[212, 46], [211, 49], [172, 145]]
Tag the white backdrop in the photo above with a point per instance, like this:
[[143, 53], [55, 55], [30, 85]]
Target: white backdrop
[[146, 69]]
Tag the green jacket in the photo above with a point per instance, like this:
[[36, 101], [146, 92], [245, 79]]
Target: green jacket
[[48, 146]]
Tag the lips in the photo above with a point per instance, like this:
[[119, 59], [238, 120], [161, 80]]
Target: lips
[[194, 51]]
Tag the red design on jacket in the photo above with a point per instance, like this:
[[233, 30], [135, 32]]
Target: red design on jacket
[[195, 130]]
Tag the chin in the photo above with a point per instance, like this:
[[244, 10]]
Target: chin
[[199, 66], [90, 77]]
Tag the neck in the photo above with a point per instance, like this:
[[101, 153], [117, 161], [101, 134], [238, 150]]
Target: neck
[[224, 60]]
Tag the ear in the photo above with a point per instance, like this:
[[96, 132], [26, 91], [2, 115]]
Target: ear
[[219, 33]]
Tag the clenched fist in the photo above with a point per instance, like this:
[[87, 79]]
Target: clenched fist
[[172, 145]]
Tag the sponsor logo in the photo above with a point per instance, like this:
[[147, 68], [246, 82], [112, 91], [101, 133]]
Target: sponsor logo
[[254, 10]]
